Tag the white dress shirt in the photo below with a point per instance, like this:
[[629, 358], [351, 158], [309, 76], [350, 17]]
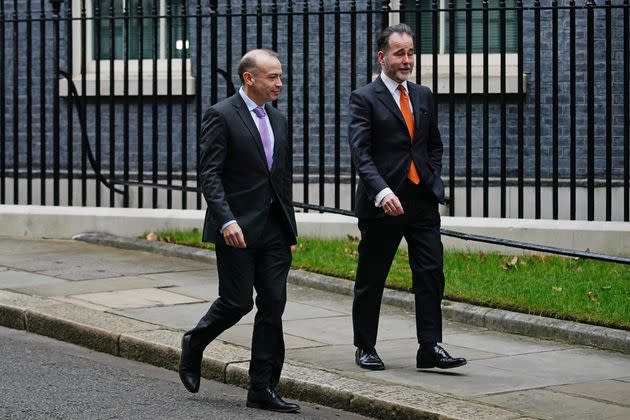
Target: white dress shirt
[[392, 86]]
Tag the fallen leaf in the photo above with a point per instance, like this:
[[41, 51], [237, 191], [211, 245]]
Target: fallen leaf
[[152, 236], [593, 297], [482, 255], [608, 287], [511, 263], [540, 257], [353, 238], [587, 250], [556, 289]]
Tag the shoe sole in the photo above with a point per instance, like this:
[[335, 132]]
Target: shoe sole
[[262, 407], [431, 366], [369, 367]]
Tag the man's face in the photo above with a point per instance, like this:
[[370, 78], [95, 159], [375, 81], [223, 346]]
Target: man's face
[[264, 84], [397, 61]]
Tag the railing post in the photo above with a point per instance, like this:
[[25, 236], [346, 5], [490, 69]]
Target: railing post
[[56, 8], [590, 104], [2, 107], [385, 9], [214, 5]]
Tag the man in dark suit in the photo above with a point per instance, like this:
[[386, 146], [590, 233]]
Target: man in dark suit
[[245, 176], [397, 150]]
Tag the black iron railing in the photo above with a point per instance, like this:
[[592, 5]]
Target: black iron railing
[[533, 98]]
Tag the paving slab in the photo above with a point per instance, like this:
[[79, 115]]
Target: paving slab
[[179, 317], [73, 260], [547, 404], [502, 343], [614, 391], [332, 330], [573, 365], [188, 277], [69, 288], [21, 301], [136, 298], [320, 298], [206, 292], [11, 279], [242, 335], [19, 246], [87, 267], [469, 381]]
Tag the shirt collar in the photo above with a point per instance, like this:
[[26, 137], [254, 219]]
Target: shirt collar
[[391, 84], [248, 101]]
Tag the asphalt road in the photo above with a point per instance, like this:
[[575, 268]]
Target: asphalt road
[[41, 378]]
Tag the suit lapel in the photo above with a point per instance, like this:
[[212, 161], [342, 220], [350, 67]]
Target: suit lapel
[[278, 135], [417, 111], [245, 116], [385, 96]]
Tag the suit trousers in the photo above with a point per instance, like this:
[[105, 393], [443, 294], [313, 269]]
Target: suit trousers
[[262, 266], [380, 238]]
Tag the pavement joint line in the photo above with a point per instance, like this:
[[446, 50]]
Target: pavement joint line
[[577, 395], [491, 318]]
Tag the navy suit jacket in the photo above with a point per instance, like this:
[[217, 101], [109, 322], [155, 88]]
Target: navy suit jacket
[[381, 148], [233, 173]]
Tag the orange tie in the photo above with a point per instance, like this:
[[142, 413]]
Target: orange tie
[[413, 175]]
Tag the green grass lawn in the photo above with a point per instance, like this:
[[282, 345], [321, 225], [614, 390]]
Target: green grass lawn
[[582, 290]]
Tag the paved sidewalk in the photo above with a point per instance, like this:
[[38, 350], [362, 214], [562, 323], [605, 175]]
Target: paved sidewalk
[[136, 304]]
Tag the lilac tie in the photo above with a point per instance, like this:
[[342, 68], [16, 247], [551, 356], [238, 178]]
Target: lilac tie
[[264, 134]]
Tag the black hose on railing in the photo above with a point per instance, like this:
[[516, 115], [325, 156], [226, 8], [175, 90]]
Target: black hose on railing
[[75, 96], [231, 90], [496, 241]]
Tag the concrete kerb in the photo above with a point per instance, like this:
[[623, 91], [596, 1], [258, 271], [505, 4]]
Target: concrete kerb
[[227, 363], [495, 319]]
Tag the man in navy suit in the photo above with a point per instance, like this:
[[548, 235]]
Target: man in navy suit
[[245, 176], [397, 151]]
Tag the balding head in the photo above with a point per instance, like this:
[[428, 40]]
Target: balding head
[[261, 72], [249, 62]]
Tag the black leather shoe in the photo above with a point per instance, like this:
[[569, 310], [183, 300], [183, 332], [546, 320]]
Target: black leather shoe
[[190, 366], [368, 359], [267, 399], [437, 357]]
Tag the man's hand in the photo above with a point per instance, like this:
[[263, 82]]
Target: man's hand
[[391, 205], [233, 236], [292, 248]]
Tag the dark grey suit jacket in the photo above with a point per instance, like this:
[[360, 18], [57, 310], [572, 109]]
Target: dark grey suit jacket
[[233, 173], [380, 146]]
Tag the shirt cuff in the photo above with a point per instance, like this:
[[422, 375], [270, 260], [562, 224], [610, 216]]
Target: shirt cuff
[[231, 222], [381, 195]]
